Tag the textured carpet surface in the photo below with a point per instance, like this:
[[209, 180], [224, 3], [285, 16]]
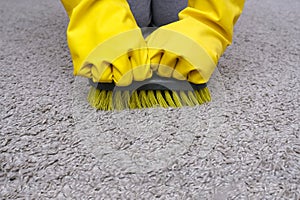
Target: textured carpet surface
[[244, 146]]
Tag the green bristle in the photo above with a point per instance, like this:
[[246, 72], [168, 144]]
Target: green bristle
[[185, 99], [205, 94], [95, 98], [92, 96], [176, 99], [152, 98], [119, 100], [199, 98], [101, 100], [161, 99], [109, 100], [134, 101], [126, 99], [143, 99], [169, 99], [192, 97], [132, 104]]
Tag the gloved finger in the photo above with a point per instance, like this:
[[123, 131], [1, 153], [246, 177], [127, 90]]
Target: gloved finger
[[140, 64], [167, 64], [195, 76], [155, 57], [121, 70], [102, 72], [182, 68]]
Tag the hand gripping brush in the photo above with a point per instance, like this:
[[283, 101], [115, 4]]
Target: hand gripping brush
[[200, 36], [154, 92]]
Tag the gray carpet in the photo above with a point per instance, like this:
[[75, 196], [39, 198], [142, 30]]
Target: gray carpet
[[244, 145]]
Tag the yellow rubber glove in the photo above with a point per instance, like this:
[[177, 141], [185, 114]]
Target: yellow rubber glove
[[191, 47], [105, 41]]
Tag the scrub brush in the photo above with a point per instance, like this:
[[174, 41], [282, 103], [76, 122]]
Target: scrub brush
[[154, 92]]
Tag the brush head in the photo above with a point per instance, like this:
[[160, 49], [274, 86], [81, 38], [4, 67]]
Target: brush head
[[154, 92]]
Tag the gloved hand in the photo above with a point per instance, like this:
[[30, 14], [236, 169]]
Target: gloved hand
[[191, 47], [105, 41]]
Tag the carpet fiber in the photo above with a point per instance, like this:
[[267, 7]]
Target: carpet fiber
[[245, 145]]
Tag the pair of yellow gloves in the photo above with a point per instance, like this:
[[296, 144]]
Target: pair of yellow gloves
[[107, 45]]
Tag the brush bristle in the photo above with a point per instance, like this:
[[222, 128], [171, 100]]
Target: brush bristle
[[120, 100]]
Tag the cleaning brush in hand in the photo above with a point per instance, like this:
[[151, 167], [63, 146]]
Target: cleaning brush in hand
[[121, 60], [154, 92]]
